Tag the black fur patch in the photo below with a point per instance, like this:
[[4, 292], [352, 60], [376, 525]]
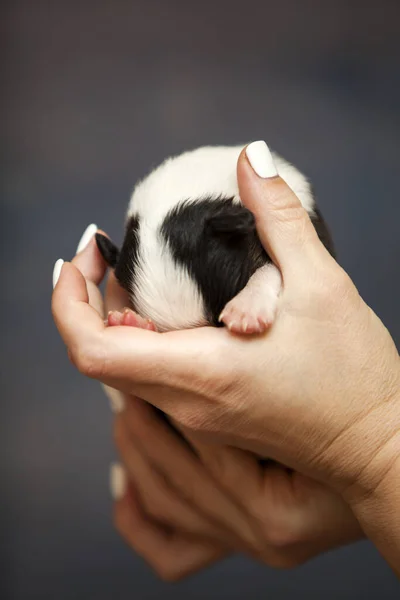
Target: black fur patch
[[128, 257], [214, 239], [217, 242]]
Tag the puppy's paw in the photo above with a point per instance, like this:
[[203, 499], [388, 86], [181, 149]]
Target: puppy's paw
[[250, 312]]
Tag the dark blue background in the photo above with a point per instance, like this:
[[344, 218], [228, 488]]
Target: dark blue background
[[95, 93]]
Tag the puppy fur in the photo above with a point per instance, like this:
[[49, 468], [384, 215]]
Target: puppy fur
[[191, 255]]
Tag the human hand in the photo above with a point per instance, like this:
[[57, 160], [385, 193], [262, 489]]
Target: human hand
[[182, 510], [183, 507], [306, 394]]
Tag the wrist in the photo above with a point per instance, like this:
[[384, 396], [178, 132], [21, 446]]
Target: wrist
[[366, 453], [377, 511], [376, 455]]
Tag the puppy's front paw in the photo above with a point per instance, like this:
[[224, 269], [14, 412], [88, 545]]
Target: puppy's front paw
[[250, 312], [243, 316], [254, 308]]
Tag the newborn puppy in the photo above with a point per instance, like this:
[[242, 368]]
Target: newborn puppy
[[191, 255]]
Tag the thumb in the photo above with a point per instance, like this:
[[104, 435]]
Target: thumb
[[283, 225]]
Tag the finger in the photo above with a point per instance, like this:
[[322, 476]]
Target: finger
[[161, 502], [116, 298], [171, 554], [186, 475], [88, 258], [92, 266], [238, 471], [300, 517], [283, 225], [323, 517], [76, 320], [127, 357], [82, 329]]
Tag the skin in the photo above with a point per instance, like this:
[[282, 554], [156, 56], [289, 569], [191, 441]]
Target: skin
[[319, 392], [214, 500]]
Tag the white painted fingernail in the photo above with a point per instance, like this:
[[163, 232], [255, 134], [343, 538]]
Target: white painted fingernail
[[57, 271], [86, 237], [261, 159], [117, 402], [117, 481]]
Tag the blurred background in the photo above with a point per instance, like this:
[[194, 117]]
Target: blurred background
[[93, 95]]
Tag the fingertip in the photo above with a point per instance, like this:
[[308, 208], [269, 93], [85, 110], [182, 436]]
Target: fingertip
[[57, 271], [87, 235], [118, 481], [90, 261], [261, 159]]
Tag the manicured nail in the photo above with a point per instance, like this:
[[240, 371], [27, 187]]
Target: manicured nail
[[117, 481], [221, 316], [261, 159], [115, 397], [86, 237], [57, 271]]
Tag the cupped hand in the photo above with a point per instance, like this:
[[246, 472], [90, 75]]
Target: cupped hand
[[308, 393], [183, 507]]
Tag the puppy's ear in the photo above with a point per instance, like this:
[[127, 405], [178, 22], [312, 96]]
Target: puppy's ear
[[108, 250], [232, 221]]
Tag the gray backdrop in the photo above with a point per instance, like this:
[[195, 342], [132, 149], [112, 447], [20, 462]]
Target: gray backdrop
[[94, 93]]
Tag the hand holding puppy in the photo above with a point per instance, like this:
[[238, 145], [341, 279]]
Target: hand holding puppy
[[319, 392]]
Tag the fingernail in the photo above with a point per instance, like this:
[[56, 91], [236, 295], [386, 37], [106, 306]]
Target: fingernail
[[86, 237], [115, 397], [117, 481], [117, 403], [261, 160], [57, 271]]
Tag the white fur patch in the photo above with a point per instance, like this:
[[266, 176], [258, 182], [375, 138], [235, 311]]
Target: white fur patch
[[207, 171], [162, 290]]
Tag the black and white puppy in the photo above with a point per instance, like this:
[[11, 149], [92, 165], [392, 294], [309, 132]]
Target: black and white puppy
[[191, 255]]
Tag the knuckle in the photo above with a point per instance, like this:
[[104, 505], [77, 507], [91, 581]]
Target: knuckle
[[168, 572], [287, 209], [329, 289], [278, 533], [90, 360], [284, 560], [280, 537]]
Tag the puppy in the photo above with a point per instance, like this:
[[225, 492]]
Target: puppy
[[191, 255]]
